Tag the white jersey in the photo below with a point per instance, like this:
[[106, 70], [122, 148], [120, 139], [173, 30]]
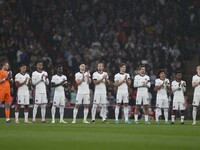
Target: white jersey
[[40, 84], [83, 88], [196, 78], [139, 82], [22, 90], [163, 91], [101, 87], [59, 90], [123, 88], [178, 89]]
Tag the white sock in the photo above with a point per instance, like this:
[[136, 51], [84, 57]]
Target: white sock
[[35, 111], [158, 112], [61, 113], [126, 113], [166, 115], [43, 111], [75, 111], [182, 118], [136, 117], [146, 118], [173, 118], [104, 111], [194, 113], [53, 112], [85, 113], [16, 115], [25, 116], [116, 112], [94, 109]]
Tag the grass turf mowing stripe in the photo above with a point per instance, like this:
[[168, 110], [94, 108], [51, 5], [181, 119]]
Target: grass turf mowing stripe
[[99, 136]]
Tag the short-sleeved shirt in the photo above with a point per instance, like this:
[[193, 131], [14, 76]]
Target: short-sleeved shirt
[[123, 88], [163, 91], [101, 87], [196, 78], [83, 88], [40, 87], [59, 90], [22, 90]]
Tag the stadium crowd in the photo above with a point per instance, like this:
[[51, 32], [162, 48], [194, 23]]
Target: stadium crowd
[[156, 33]]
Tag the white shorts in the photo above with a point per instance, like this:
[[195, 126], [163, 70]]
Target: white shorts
[[59, 100], [83, 98], [178, 106], [99, 98], [162, 103], [122, 97], [23, 100], [196, 100], [142, 99], [40, 98]]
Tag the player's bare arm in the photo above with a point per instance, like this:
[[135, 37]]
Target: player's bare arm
[[95, 81], [184, 86], [127, 80], [18, 84], [78, 82], [88, 77], [59, 84], [45, 79], [168, 86], [118, 83], [195, 84], [158, 87]]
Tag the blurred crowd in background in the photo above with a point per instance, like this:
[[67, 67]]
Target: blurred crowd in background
[[157, 33]]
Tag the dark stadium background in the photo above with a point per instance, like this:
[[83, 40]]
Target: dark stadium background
[[157, 33]]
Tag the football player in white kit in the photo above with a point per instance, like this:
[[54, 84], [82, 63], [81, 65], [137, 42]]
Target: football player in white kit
[[162, 85], [59, 82], [22, 81], [196, 96], [83, 80], [178, 88], [142, 83], [99, 79], [122, 81], [40, 81]]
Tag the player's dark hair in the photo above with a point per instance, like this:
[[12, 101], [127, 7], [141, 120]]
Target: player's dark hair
[[178, 71], [121, 65], [39, 61], [141, 66], [58, 66], [22, 65], [101, 63], [81, 63], [160, 71]]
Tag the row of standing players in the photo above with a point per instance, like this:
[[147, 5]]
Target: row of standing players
[[100, 78]]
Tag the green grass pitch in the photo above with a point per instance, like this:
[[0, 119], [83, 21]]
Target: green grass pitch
[[99, 136]]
